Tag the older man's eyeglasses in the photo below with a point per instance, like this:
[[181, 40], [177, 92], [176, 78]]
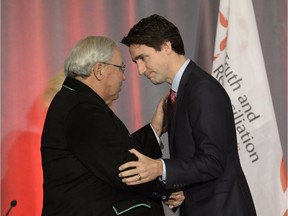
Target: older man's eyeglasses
[[121, 67]]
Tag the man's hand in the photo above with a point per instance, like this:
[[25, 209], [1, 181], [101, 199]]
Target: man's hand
[[159, 119], [175, 199], [141, 171]]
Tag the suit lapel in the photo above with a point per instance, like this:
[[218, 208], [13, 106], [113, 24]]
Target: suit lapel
[[179, 100]]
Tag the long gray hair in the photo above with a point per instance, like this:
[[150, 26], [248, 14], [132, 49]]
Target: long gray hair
[[86, 53]]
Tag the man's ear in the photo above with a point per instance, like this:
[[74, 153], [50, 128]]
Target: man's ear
[[97, 71], [167, 47]]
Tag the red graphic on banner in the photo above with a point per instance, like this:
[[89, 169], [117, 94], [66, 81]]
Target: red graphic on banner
[[224, 22], [283, 175]]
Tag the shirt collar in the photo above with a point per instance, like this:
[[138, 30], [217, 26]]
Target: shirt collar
[[177, 78]]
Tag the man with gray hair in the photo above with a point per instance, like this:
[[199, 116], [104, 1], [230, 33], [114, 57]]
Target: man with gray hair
[[83, 141]]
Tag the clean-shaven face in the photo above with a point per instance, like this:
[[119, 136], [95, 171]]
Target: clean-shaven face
[[150, 62]]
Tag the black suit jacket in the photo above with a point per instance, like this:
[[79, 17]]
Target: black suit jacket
[[203, 150], [83, 144]]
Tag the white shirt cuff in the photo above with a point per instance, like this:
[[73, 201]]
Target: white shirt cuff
[[163, 177], [157, 137]]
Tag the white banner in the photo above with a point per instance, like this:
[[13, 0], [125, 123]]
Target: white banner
[[239, 66]]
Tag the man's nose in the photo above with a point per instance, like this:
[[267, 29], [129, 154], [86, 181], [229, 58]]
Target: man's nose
[[141, 68]]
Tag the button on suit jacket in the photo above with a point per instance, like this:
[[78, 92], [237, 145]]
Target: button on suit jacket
[[203, 150], [83, 144]]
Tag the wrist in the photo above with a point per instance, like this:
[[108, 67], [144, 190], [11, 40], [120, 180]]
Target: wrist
[[159, 168], [157, 130]]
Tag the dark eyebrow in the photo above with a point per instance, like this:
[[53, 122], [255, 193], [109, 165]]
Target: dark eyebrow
[[137, 57]]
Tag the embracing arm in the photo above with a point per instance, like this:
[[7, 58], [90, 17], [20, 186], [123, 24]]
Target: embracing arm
[[149, 168], [146, 135], [148, 142], [102, 146]]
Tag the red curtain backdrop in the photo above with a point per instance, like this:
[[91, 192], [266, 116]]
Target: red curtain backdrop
[[36, 37]]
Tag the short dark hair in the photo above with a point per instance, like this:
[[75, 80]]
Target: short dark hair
[[153, 31]]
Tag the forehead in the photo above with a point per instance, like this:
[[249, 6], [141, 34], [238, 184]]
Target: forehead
[[136, 50]]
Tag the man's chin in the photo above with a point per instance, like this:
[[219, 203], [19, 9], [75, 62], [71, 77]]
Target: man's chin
[[155, 82]]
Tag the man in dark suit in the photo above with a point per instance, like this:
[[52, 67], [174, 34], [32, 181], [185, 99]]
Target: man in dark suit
[[204, 159], [84, 143]]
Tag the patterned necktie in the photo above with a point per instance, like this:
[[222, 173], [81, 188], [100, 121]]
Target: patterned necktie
[[172, 96], [170, 107]]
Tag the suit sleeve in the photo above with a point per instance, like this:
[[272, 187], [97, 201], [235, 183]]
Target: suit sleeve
[[102, 146], [148, 142], [209, 123]]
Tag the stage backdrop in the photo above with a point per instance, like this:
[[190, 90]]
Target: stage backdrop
[[36, 36]]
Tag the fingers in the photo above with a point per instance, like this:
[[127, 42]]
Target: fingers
[[147, 168], [163, 100], [175, 200], [130, 164], [175, 204], [176, 194], [131, 176], [136, 153], [134, 176], [166, 96], [129, 171], [134, 180]]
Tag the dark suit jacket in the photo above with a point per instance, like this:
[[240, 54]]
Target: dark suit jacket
[[203, 150], [83, 144]]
